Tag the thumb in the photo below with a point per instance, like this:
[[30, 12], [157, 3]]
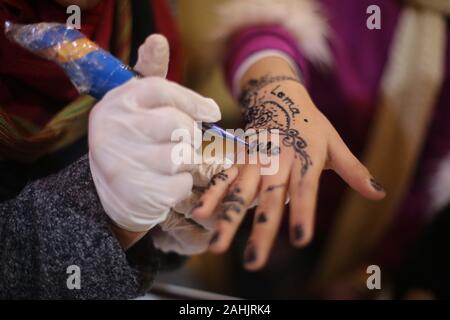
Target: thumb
[[153, 57]]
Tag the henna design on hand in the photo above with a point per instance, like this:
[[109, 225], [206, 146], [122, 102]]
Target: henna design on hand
[[263, 147], [298, 232], [234, 197], [262, 111], [271, 188], [232, 202], [233, 207], [255, 85], [266, 115], [218, 176], [292, 139]]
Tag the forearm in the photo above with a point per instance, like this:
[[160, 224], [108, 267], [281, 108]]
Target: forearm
[[126, 238]]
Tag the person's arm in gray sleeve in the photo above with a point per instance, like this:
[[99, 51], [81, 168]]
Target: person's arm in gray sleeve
[[59, 222]]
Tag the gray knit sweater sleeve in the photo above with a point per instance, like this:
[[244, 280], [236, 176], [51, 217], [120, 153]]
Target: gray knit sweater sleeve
[[56, 223]]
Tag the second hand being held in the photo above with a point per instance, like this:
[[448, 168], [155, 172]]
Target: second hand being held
[[309, 144]]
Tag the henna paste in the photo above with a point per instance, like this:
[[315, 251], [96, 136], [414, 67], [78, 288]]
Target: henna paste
[[276, 111], [271, 188], [218, 176]]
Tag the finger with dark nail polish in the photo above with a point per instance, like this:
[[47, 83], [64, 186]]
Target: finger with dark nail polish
[[298, 232], [250, 254], [376, 185]]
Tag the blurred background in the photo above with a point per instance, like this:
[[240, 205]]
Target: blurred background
[[377, 69], [406, 238]]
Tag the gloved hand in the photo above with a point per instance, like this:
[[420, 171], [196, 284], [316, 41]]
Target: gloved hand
[[130, 142], [180, 232]]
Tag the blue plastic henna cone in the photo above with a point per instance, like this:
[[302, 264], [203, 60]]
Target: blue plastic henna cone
[[91, 69]]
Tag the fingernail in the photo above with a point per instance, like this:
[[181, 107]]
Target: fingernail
[[214, 238], [376, 185], [250, 254], [298, 232], [262, 218]]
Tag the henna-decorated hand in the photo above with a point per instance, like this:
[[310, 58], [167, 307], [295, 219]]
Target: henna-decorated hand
[[309, 145]]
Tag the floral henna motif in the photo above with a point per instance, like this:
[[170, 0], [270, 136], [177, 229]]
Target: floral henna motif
[[218, 176], [292, 138], [232, 202], [274, 111]]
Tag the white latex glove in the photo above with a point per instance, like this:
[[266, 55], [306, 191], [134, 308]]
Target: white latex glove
[[130, 142], [181, 233]]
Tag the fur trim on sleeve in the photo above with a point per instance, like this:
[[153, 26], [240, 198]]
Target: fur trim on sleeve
[[302, 18]]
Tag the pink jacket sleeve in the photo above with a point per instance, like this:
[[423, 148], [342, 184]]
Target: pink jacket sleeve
[[252, 40]]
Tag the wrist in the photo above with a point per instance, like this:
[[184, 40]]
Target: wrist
[[259, 56], [266, 67], [126, 238]]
